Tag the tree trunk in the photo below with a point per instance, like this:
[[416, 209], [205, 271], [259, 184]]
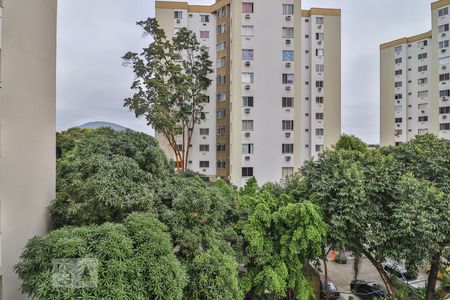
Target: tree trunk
[[386, 280], [291, 294], [432, 277], [325, 269]]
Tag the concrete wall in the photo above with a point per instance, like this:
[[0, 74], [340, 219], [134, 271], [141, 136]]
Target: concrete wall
[[27, 120]]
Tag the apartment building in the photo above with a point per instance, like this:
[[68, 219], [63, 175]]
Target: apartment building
[[415, 82], [275, 100], [27, 129]]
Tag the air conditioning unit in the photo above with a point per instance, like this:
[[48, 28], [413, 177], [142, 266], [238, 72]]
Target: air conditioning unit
[[247, 134], [287, 158], [288, 88], [444, 117], [247, 158], [247, 86], [443, 50], [319, 26], [444, 99], [319, 43], [288, 65], [247, 64], [204, 170], [319, 89], [288, 18], [178, 21], [287, 134], [443, 35], [288, 42], [191, 15], [444, 67], [423, 111], [204, 137], [398, 125], [247, 17], [247, 110]]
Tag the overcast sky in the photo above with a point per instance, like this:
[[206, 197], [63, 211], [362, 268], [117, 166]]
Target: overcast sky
[[94, 34]]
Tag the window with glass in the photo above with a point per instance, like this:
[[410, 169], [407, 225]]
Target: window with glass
[[204, 147], [288, 55], [398, 84], [288, 78], [220, 46], [247, 172], [422, 131], [220, 79], [220, 63], [422, 81], [422, 56], [423, 68], [443, 28], [204, 131], [319, 36], [247, 125], [320, 68], [247, 101], [204, 18], [221, 29], [287, 102], [204, 164], [398, 61], [398, 96], [443, 44], [220, 113], [422, 94], [288, 32], [444, 93], [398, 132], [247, 77], [319, 100], [248, 30], [320, 52], [444, 110], [444, 126], [319, 84], [319, 116], [221, 96], [247, 54], [422, 106], [288, 9], [178, 14], [287, 148], [398, 49], [287, 171], [319, 148], [319, 20], [444, 77], [248, 148], [204, 34], [247, 7], [422, 44], [398, 108], [222, 12], [423, 119], [287, 125], [398, 120], [221, 164], [443, 12], [221, 147], [319, 131], [444, 60]]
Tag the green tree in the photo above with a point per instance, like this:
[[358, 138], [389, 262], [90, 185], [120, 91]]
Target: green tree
[[171, 77], [135, 261], [351, 142]]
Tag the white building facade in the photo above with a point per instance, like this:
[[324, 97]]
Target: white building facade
[[275, 98]]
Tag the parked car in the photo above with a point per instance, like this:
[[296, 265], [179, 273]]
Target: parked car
[[332, 291], [367, 290], [446, 272], [403, 276]]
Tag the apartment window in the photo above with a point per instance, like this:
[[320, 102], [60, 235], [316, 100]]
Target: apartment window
[[398, 96], [319, 116], [247, 77], [422, 44], [443, 28], [423, 119], [222, 12], [398, 108], [319, 100], [398, 132], [221, 147], [247, 172], [444, 77], [444, 93], [204, 164], [319, 36], [288, 78], [288, 32], [422, 56], [398, 49], [422, 106], [320, 68], [423, 68], [247, 101], [247, 54], [204, 131], [398, 61], [319, 131], [422, 81], [204, 148], [287, 148], [422, 131], [398, 120], [221, 96], [444, 126], [220, 79], [288, 9], [443, 11], [220, 46], [247, 30], [220, 113], [204, 34], [287, 125], [178, 14], [320, 52], [288, 55], [247, 7], [248, 148], [220, 63], [444, 60], [220, 130], [247, 125], [319, 83], [221, 164], [319, 148], [398, 72], [398, 84], [287, 171], [204, 18], [444, 110], [287, 102], [443, 44], [221, 29], [319, 20]]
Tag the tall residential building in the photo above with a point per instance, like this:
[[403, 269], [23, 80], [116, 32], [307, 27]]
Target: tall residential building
[[27, 129], [275, 100], [415, 82]]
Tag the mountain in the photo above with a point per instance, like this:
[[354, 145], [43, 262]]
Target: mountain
[[97, 124]]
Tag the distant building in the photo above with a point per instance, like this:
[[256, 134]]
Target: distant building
[[415, 82], [275, 100], [27, 129]]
